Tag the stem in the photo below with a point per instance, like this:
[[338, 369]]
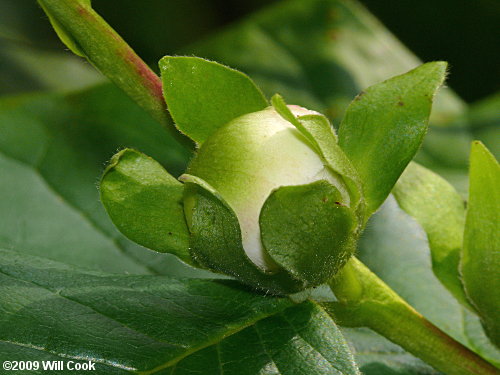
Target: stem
[[365, 300], [87, 32]]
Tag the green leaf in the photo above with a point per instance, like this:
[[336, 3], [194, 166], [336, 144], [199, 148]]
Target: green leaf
[[145, 203], [440, 210], [127, 323], [203, 95], [53, 148], [480, 262], [216, 240], [384, 127], [152, 324], [308, 231], [302, 339], [394, 246]]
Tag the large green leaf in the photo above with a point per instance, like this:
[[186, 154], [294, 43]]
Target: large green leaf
[[129, 324], [385, 125], [52, 150], [440, 210], [395, 247], [302, 339], [204, 95], [145, 203], [480, 262], [308, 231]]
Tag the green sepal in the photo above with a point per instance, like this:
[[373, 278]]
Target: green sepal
[[145, 203], [61, 32], [440, 210], [216, 240], [321, 135], [308, 231], [203, 95], [384, 126], [480, 261]]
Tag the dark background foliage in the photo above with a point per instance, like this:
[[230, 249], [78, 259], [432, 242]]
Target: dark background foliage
[[463, 32]]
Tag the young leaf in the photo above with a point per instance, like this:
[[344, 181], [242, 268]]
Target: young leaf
[[384, 127], [203, 95], [308, 231], [480, 262], [145, 203], [216, 239], [440, 210]]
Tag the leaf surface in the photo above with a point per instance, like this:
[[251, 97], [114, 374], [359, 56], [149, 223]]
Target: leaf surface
[[307, 230], [300, 339], [145, 203], [203, 95], [480, 261], [128, 324], [384, 126]]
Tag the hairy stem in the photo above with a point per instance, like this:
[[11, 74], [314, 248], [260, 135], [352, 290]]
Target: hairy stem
[[87, 34], [366, 301]]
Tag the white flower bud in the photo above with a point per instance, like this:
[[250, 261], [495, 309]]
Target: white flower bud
[[250, 157]]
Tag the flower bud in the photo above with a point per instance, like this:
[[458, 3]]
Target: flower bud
[[249, 158]]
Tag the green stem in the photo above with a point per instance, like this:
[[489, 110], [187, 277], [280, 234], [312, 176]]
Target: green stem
[[88, 35], [365, 300]]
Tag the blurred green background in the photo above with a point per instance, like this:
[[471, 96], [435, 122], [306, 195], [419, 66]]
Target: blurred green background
[[463, 32]]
